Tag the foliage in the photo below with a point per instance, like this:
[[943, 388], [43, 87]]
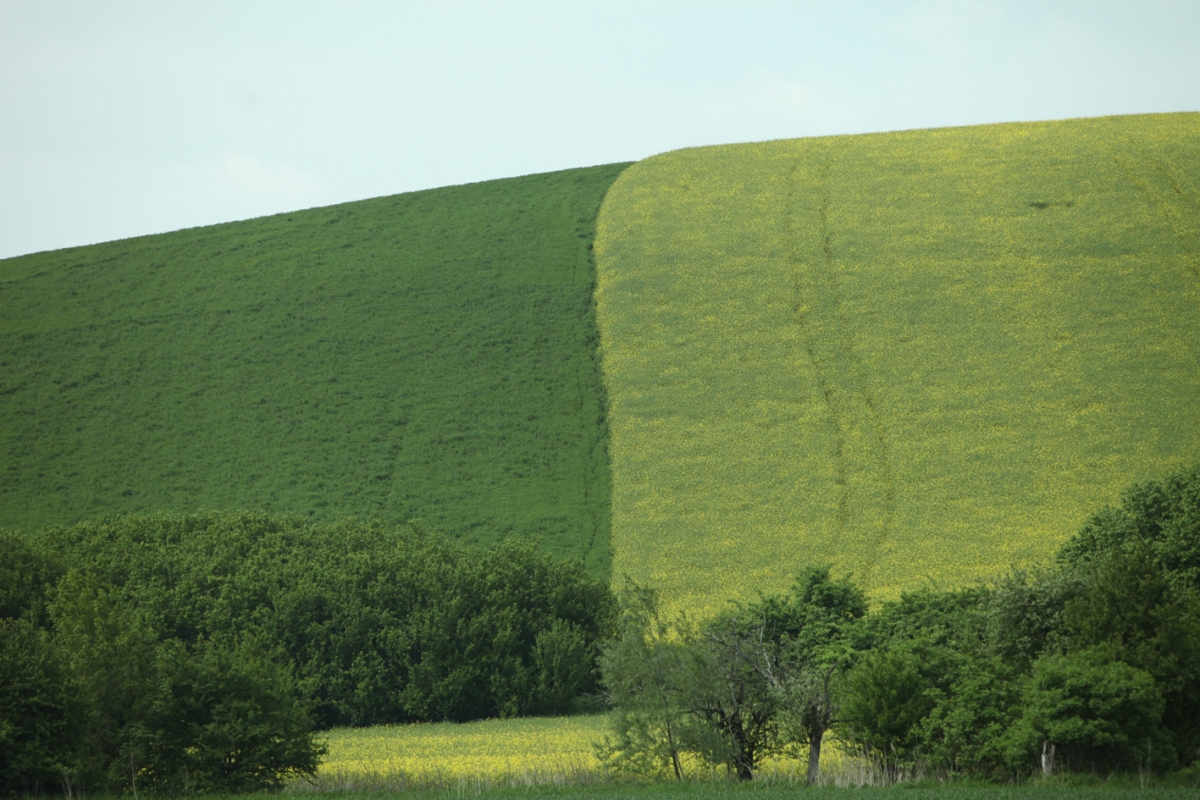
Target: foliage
[[1025, 615], [1157, 518], [381, 624], [732, 692], [94, 700], [38, 718], [966, 730], [110, 652], [889, 696], [1133, 612], [227, 718], [645, 668], [918, 356], [510, 632], [427, 355], [1096, 713], [195, 653], [25, 574], [729, 695], [807, 641]]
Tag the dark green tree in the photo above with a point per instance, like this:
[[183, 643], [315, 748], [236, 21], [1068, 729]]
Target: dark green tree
[[109, 651], [1158, 517], [888, 696], [223, 717], [1136, 614], [807, 641], [1088, 711], [964, 730], [1024, 615], [39, 720]]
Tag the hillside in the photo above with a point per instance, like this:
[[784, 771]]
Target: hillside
[[428, 355], [923, 357]]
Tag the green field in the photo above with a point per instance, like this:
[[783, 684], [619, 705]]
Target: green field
[[428, 355], [923, 357]]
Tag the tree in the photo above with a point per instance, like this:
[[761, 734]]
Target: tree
[[645, 667], [223, 717], [751, 682], [730, 695], [381, 624], [168, 715], [1024, 615], [1158, 517], [965, 729], [109, 651], [678, 689], [806, 642], [39, 723], [1088, 710], [1136, 614], [887, 700]]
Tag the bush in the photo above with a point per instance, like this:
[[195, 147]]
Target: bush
[[38, 724], [1095, 712], [223, 718]]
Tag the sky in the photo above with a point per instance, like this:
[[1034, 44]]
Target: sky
[[120, 119]]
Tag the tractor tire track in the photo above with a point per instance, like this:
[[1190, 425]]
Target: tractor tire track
[[862, 453], [1164, 202]]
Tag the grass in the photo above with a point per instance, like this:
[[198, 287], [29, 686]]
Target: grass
[[924, 357], [769, 791], [555, 757], [528, 751], [428, 355]]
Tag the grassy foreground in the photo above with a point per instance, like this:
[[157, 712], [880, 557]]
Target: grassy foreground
[[500, 752], [923, 357], [555, 757], [428, 355], [770, 791]]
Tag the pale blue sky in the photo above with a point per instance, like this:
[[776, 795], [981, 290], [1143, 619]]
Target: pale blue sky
[[124, 118]]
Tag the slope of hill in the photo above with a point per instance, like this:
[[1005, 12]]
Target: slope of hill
[[428, 355], [920, 356]]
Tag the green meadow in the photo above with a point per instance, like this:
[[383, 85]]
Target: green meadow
[[923, 357], [426, 356]]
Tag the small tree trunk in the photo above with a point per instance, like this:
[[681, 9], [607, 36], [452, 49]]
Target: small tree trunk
[[1047, 759], [814, 756], [671, 739]]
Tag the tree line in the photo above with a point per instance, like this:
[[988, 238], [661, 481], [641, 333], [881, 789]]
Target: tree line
[[1092, 664], [193, 653]]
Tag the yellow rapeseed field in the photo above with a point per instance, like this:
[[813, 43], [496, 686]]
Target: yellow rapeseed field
[[507, 752], [488, 753], [924, 357]]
